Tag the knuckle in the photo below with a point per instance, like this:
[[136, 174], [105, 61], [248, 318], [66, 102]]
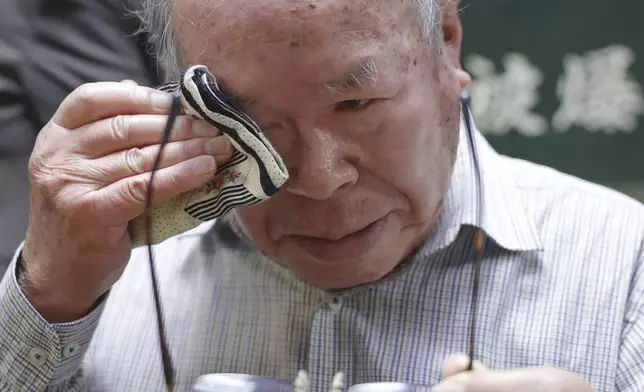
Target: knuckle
[[133, 160], [187, 149], [84, 95], [137, 189], [35, 165], [41, 174], [139, 95], [134, 94], [119, 127], [49, 184]]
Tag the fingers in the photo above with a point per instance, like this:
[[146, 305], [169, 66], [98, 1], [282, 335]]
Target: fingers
[[123, 132], [94, 101], [135, 161], [458, 363], [535, 379], [124, 200], [126, 131], [507, 381]]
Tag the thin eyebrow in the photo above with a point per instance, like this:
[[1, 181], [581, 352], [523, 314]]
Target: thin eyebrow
[[354, 80]]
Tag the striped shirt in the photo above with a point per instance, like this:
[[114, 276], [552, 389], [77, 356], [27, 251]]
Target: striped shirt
[[562, 284]]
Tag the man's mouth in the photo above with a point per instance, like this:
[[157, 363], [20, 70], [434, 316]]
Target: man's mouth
[[340, 235], [344, 245]]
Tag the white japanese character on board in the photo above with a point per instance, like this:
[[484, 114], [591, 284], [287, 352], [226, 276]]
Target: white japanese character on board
[[505, 101], [598, 94]]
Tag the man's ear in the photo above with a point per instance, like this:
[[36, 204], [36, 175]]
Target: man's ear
[[452, 37]]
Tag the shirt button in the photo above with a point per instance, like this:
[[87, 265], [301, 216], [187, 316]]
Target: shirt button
[[70, 350], [37, 356], [336, 304]]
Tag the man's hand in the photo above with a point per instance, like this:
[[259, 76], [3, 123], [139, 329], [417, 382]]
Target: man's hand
[[542, 379], [89, 175]]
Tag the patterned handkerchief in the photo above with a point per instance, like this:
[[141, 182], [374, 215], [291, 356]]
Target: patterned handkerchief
[[254, 173]]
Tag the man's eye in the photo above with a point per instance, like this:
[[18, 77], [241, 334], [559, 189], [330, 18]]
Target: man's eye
[[353, 104]]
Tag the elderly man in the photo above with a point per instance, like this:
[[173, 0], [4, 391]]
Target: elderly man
[[361, 264]]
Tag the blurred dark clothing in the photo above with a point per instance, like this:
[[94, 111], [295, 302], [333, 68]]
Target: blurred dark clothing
[[47, 49]]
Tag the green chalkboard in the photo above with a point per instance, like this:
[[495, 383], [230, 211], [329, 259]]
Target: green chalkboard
[[561, 83]]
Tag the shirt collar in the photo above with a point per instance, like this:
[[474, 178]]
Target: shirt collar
[[505, 218]]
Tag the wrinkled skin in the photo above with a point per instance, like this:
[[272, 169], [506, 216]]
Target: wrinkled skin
[[377, 154]]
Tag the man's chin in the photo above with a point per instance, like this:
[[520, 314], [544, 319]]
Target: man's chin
[[352, 274]]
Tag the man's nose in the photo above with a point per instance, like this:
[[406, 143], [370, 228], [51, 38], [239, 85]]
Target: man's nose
[[319, 165]]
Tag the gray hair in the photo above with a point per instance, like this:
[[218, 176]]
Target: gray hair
[[156, 21]]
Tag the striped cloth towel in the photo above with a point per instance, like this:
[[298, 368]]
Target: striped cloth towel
[[254, 173]]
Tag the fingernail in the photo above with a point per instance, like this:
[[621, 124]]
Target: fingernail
[[218, 146], [201, 128], [161, 99], [203, 165]]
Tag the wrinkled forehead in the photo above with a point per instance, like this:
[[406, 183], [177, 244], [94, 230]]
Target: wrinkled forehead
[[251, 30]]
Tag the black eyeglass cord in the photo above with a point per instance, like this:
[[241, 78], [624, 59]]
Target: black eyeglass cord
[[478, 243], [479, 235], [168, 369]]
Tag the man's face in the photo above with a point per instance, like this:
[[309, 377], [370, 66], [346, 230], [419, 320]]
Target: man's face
[[363, 113]]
